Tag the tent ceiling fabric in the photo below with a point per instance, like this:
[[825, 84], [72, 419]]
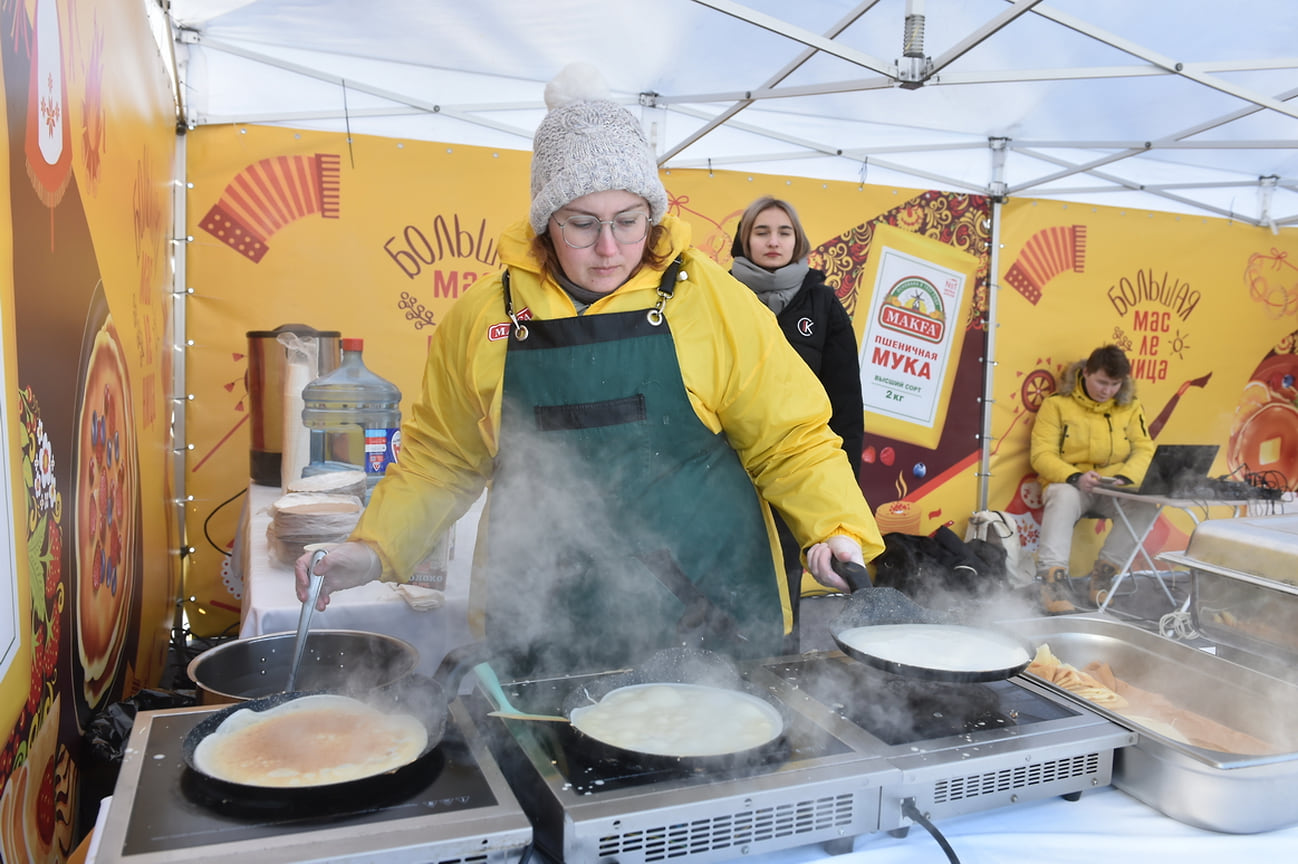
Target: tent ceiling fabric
[[1179, 105]]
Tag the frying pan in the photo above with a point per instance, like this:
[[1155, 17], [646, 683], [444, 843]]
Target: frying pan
[[418, 695], [884, 628], [711, 673], [334, 660]]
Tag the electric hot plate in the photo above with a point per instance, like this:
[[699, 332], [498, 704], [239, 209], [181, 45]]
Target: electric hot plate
[[837, 773], [458, 807]]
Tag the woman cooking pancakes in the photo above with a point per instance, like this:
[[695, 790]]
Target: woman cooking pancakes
[[633, 409]]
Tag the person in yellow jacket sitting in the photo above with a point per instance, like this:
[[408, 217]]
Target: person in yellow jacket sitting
[[634, 412], [1091, 431]]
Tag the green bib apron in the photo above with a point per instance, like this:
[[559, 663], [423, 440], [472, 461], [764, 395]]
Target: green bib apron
[[619, 524]]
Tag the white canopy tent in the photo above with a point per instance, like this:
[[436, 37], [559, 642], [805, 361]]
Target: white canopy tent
[[1177, 105]]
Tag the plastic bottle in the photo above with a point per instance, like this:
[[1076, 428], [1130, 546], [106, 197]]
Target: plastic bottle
[[354, 417]]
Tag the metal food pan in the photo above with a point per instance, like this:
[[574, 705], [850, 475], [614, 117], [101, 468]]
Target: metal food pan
[[1246, 587], [1208, 789], [1250, 614]]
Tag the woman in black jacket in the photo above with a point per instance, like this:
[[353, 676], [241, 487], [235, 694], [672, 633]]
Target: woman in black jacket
[[770, 252]]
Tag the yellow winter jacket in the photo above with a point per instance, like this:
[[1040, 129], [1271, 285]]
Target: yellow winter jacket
[[741, 375], [1074, 433]]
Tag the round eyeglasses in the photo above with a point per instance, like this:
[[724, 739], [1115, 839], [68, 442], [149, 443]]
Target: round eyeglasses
[[582, 232]]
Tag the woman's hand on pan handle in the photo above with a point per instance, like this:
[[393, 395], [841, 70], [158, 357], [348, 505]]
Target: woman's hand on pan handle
[[345, 566], [820, 560]]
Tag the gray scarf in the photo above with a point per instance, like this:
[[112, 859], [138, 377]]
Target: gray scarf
[[775, 288], [581, 298]]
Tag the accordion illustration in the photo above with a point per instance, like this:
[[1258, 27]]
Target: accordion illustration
[[267, 195], [1047, 253]]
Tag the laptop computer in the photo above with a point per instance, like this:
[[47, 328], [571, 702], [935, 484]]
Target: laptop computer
[[1176, 470]]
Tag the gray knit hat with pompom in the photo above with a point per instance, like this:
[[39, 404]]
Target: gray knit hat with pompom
[[588, 143]]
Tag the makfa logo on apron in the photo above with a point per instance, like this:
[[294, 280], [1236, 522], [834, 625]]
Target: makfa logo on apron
[[914, 307], [496, 332]]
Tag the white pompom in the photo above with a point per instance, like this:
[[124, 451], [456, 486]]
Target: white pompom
[[576, 82]]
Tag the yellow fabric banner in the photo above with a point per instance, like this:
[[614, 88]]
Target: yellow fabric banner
[[1205, 309], [374, 238]]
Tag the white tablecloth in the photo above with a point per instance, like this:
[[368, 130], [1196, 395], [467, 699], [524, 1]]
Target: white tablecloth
[[1105, 826], [270, 604]]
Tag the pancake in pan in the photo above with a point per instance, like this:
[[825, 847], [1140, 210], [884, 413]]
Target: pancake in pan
[[312, 741]]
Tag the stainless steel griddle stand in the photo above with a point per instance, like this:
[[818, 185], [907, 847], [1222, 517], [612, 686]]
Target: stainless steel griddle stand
[[827, 800], [971, 773], [494, 834]]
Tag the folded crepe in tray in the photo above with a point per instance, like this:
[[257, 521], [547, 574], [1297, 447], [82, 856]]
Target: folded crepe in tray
[[1196, 728], [1047, 666], [1098, 683]]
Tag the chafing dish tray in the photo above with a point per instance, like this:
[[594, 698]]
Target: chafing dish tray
[[1209, 789], [1260, 545], [1246, 588]]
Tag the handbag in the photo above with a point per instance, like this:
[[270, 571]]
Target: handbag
[[998, 528]]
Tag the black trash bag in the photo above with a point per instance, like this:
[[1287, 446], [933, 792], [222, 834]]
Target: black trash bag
[[104, 744], [940, 567], [108, 731]]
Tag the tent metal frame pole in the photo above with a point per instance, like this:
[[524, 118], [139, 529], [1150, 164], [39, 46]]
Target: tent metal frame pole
[[1191, 71], [788, 69], [179, 392], [989, 358], [996, 193]]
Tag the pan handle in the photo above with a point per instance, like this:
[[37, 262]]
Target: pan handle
[[856, 576], [457, 663]]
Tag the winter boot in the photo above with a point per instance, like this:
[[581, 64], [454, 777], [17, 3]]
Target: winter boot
[[1056, 599], [1100, 581]]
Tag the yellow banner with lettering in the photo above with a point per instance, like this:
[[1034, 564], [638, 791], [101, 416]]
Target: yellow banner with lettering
[[375, 238], [1205, 309]]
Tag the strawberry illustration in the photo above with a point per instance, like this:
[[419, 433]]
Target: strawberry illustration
[[45, 805]]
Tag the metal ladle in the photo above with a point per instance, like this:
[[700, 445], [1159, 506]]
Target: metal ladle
[[304, 617]]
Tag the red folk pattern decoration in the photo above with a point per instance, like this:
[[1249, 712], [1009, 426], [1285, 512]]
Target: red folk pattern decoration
[[94, 122]]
